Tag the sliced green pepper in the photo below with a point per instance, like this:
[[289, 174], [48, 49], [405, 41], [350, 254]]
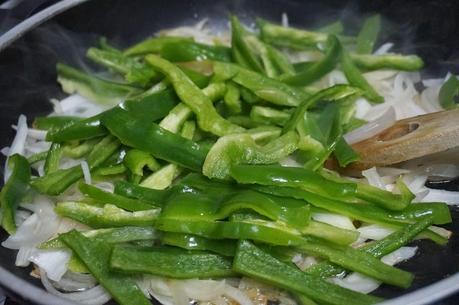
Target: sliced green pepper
[[368, 34], [58, 181], [14, 190], [207, 117], [289, 37], [154, 45], [170, 262], [256, 263], [448, 92], [320, 68], [242, 149], [91, 87], [355, 78], [107, 216], [193, 242], [149, 137], [388, 61], [377, 248], [96, 257], [53, 122], [103, 197], [130, 190], [136, 160], [53, 158], [194, 51], [267, 115]]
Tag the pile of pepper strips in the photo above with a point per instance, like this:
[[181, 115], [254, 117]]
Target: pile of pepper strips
[[194, 149]]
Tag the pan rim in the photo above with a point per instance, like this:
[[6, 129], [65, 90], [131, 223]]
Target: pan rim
[[9, 280]]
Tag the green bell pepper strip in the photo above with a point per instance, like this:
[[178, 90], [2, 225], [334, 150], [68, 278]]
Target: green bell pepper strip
[[41, 156], [377, 248], [53, 122], [303, 179], [170, 262], [387, 61], [359, 261], [77, 130], [240, 47], [152, 107], [335, 93], [332, 28], [109, 235], [53, 158], [162, 178], [448, 92], [289, 37], [82, 148], [106, 216], [96, 257], [268, 115], [103, 197], [136, 160], [180, 113], [151, 138], [242, 149], [194, 51], [199, 206], [134, 191], [95, 89], [14, 190], [281, 62], [194, 242], [264, 134], [134, 71], [243, 120], [370, 213], [368, 35], [154, 45], [110, 170], [256, 263], [331, 233], [232, 98], [207, 117], [260, 49], [59, 180], [344, 153], [258, 230], [320, 68], [268, 89], [355, 78]]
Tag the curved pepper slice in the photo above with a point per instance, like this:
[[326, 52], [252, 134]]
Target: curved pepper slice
[[193, 242], [242, 149], [194, 51], [150, 137], [318, 69], [14, 190], [207, 117]]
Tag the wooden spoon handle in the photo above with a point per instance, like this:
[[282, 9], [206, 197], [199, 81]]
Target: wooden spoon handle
[[408, 139]]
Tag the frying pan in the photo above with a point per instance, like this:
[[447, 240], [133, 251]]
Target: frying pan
[[64, 30]]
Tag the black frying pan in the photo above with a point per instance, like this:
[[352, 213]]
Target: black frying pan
[[28, 81]]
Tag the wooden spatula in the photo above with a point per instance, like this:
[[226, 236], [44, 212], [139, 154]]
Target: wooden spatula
[[408, 139]]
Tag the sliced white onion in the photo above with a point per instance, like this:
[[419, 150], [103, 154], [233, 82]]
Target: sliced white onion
[[105, 186], [449, 197], [203, 290], [38, 228], [290, 162], [36, 134], [23, 255], [392, 171], [372, 128], [336, 220], [76, 105], [374, 178], [438, 170], [374, 232], [303, 262], [364, 284], [178, 293], [86, 172], [237, 295], [72, 282], [17, 147], [284, 20], [53, 261], [94, 296], [383, 49], [362, 108]]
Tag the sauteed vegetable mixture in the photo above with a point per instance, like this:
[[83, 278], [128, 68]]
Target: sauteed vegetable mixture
[[211, 168]]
